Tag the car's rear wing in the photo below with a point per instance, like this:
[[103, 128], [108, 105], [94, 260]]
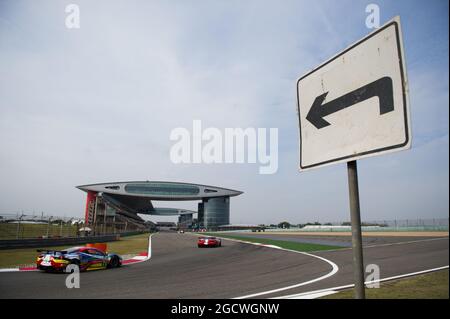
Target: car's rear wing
[[46, 251]]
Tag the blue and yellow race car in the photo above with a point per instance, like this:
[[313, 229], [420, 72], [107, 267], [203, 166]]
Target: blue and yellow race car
[[87, 258]]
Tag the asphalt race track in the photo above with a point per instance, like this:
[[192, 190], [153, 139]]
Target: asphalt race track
[[178, 269]]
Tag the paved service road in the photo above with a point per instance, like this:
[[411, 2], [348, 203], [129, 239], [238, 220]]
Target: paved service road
[[178, 269]]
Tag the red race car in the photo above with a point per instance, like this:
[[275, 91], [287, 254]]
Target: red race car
[[209, 242]]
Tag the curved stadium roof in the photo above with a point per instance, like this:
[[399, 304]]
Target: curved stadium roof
[[158, 190]]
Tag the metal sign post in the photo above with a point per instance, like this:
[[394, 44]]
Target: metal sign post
[[358, 263]]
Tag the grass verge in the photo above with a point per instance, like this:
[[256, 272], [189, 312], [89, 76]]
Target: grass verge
[[304, 247], [25, 256], [428, 286]]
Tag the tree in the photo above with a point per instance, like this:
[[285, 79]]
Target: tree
[[346, 224], [284, 225]]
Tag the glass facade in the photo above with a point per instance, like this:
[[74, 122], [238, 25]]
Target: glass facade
[[165, 189], [185, 221], [200, 215], [216, 212]]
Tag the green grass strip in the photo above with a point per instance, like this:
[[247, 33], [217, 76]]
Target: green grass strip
[[304, 247], [428, 286]]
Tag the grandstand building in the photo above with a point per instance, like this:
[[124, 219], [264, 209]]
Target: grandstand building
[[118, 204]]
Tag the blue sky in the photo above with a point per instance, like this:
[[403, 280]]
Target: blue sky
[[97, 104]]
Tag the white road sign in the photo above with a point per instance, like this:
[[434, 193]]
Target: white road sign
[[356, 104]]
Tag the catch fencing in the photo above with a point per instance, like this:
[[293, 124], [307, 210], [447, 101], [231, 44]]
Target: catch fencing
[[39, 226], [397, 225]]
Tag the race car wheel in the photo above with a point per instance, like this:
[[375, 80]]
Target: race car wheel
[[114, 263], [75, 262]]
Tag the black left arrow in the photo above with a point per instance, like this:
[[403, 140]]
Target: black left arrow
[[382, 88]]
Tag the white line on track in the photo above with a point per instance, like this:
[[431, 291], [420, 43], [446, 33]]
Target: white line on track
[[9, 269], [390, 244], [333, 271], [312, 295], [407, 242], [149, 252], [324, 292]]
